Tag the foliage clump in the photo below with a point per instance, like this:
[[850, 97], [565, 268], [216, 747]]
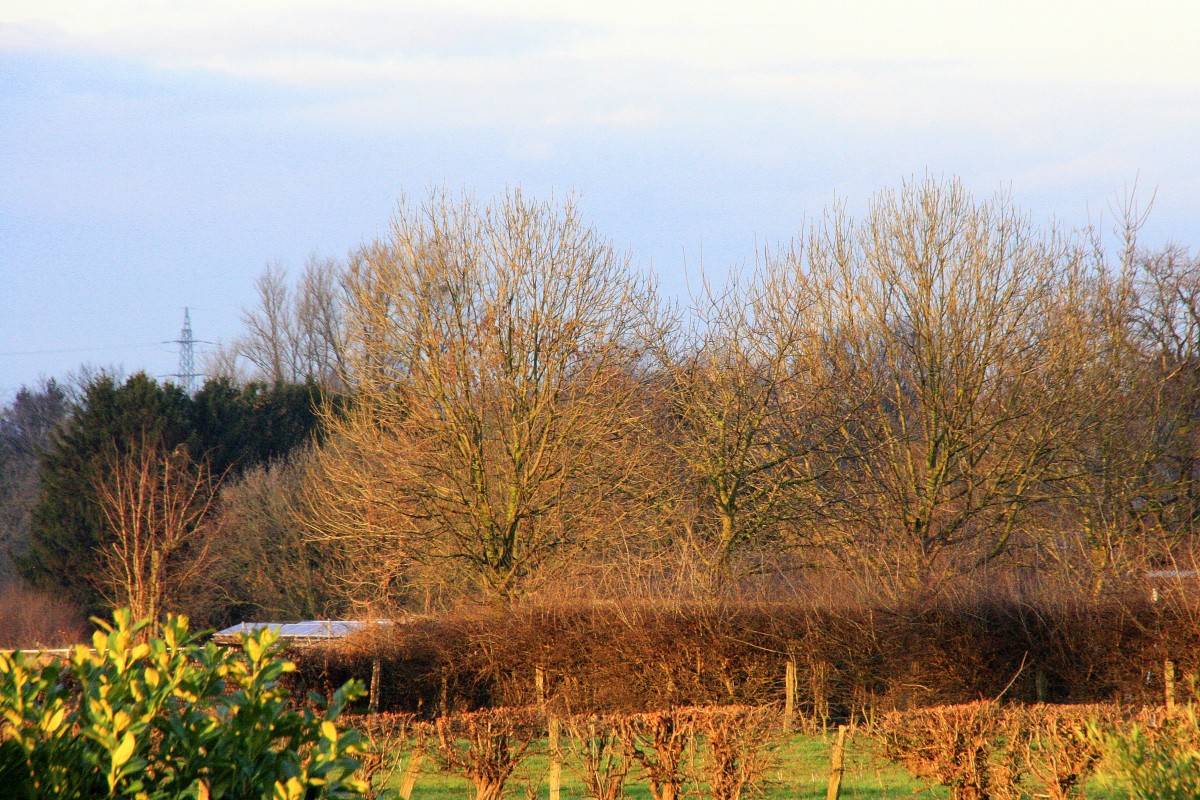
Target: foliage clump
[[1158, 757], [165, 718]]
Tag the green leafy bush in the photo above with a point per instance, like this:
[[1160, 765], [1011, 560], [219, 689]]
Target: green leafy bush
[[1160, 758], [165, 717]]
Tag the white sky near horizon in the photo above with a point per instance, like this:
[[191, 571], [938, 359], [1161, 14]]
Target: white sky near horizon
[[155, 155]]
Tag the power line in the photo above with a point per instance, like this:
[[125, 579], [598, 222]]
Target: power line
[[96, 349]]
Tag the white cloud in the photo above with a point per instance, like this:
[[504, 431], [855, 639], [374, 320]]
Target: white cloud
[[918, 76], [1150, 42]]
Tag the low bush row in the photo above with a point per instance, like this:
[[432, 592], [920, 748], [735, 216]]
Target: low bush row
[[727, 749], [988, 751], [979, 751]]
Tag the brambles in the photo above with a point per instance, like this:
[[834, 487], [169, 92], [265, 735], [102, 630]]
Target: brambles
[[167, 718]]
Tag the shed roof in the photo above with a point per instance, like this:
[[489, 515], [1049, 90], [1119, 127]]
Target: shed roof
[[313, 629]]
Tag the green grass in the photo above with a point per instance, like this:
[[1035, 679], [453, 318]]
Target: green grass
[[801, 771]]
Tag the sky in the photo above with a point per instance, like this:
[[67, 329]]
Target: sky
[[157, 155]]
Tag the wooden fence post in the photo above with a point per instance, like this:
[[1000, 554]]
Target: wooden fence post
[[1169, 685], [539, 685], [412, 769], [376, 671], [837, 765], [555, 780], [789, 696]]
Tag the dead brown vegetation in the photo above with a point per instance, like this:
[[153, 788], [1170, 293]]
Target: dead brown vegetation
[[658, 742], [594, 743], [738, 747], [985, 750], [32, 620], [395, 744]]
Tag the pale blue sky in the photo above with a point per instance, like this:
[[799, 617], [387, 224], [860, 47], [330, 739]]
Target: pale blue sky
[[155, 155]]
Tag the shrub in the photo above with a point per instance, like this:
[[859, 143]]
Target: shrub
[[31, 619], [167, 718], [487, 746], [963, 747], [658, 742], [984, 750], [738, 747], [852, 661], [595, 742], [1160, 758], [393, 743], [1056, 744]]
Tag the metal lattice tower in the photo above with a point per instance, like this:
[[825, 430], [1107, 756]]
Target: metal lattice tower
[[187, 355]]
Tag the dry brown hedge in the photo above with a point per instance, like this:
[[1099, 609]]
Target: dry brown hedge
[[852, 661]]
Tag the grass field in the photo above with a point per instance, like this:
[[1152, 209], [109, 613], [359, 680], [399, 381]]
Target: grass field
[[801, 772]]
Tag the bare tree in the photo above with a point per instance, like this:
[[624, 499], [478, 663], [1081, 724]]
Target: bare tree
[[752, 411], [1133, 470], [319, 299], [492, 358], [1168, 324], [272, 342], [263, 563], [952, 308], [1108, 516], [155, 506], [295, 334]]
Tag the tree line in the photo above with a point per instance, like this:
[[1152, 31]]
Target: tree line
[[490, 402]]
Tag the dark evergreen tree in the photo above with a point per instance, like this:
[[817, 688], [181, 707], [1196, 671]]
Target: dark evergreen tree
[[66, 528], [232, 427], [241, 426]]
